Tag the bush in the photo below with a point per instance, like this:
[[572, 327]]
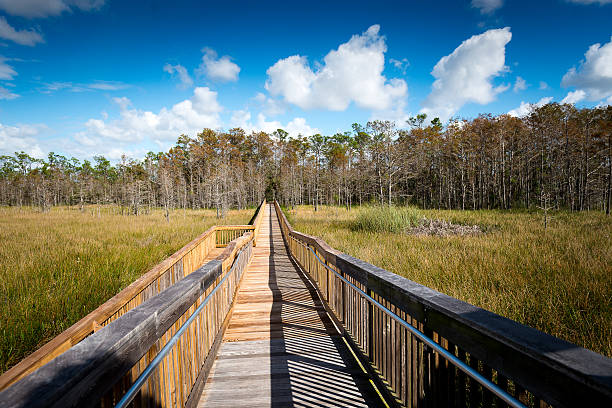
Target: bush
[[386, 219]]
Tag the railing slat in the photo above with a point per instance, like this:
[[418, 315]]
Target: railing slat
[[102, 367], [544, 370]]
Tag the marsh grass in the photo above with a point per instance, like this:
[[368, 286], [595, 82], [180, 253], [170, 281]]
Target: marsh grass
[[385, 219], [558, 280], [58, 266]]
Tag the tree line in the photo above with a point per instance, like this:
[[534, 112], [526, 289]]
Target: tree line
[[557, 156]]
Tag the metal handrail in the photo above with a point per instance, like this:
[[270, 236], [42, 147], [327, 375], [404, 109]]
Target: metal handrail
[[500, 393], [133, 391]]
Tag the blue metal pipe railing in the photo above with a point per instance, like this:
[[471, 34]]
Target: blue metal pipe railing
[[486, 383], [135, 388]]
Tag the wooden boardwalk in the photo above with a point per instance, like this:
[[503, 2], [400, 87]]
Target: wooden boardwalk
[[281, 348]]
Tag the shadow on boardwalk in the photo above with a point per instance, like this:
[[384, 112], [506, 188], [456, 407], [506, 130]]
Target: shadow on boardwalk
[[281, 349]]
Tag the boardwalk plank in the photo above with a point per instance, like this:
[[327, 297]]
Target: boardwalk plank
[[281, 349]]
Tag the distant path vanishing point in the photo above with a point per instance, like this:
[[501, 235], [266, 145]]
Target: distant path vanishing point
[[281, 348]]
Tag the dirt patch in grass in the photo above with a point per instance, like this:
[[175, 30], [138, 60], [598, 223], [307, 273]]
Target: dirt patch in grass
[[443, 228]]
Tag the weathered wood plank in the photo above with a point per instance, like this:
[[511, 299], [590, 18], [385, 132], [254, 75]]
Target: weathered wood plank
[[281, 348], [554, 371], [105, 312]]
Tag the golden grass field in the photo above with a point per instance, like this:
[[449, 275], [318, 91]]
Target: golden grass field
[[558, 280], [58, 266]]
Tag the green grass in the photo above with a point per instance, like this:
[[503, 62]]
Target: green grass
[[57, 267], [558, 280], [385, 219]]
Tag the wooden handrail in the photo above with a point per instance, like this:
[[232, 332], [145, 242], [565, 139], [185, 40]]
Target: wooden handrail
[[257, 220], [234, 227], [99, 369], [161, 276], [539, 369]]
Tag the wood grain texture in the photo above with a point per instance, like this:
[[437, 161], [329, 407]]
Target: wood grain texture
[[204, 248], [184, 261], [529, 364], [281, 348]]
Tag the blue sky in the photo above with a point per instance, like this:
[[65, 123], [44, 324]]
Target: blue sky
[[87, 77]]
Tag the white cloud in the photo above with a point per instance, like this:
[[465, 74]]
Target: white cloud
[[487, 6], [46, 8], [86, 146], [402, 64], [182, 73], [218, 69], [594, 75], [56, 86], [97, 85], [6, 71], [600, 2], [396, 113], [21, 138], [573, 97], [24, 37], [525, 108], [295, 127], [352, 73], [7, 94], [133, 125], [466, 74], [520, 84], [107, 85], [269, 106], [298, 126], [543, 85]]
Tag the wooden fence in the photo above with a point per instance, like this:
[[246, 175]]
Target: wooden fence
[[534, 368], [162, 276], [228, 233], [100, 369]]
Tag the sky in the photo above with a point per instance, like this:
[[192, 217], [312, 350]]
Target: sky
[[108, 77]]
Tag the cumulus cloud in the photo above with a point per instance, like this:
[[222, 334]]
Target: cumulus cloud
[[396, 113], [543, 85], [133, 125], [573, 97], [7, 94], [218, 69], [269, 106], [23, 37], [182, 74], [46, 8], [525, 108], [520, 84], [594, 75], [84, 146], [6, 71], [352, 73], [295, 127], [21, 138], [487, 6], [466, 74]]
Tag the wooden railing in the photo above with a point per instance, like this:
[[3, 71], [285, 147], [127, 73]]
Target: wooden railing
[[189, 316], [369, 303], [160, 277], [257, 220], [228, 233]]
